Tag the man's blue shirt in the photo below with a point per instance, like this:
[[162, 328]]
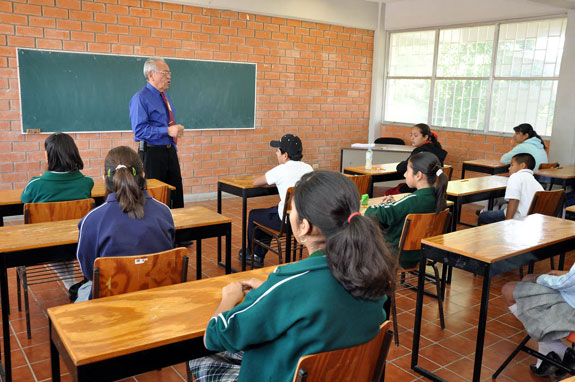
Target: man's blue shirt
[[149, 116]]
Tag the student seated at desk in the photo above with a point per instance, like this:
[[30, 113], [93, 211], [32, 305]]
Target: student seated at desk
[[545, 305], [526, 140], [425, 175], [424, 140], [63, 181], [330, 300], [130, 222], [521, 187], [285, 175]]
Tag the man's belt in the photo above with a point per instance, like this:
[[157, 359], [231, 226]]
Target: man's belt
[[145, 145]]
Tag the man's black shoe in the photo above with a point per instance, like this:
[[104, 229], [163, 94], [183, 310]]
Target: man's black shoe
[[258, 261], [546, 369], [569, 361]]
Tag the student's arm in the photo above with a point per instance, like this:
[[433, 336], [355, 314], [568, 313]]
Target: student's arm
[[506, 158], [260, 181], [86, 252], [391, 213], [512, 206]]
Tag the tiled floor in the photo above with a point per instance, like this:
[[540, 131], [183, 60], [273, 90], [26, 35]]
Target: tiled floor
[[449, 353]]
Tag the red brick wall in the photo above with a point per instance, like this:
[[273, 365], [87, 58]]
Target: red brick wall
[[313, 80], [461, 146]]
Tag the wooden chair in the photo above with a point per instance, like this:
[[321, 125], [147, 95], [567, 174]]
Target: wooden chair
[[361, 182], [389, 141], [39, 274], [545, 166], [448, 171], [276, 236], [123, 274], [161, 194], [361, 363], [523, 347], [548, 203], [416, 228]]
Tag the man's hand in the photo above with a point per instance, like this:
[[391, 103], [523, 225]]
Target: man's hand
[[176, 131]]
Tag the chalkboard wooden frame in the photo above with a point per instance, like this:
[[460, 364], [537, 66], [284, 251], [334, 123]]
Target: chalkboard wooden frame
[[90, 92]]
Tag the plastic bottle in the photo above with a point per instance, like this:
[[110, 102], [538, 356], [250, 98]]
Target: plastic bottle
[[368, 158]]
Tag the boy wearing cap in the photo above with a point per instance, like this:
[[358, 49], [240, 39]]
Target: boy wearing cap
[[285, 175]]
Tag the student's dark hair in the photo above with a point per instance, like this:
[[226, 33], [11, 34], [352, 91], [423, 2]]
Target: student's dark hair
[[356, 253], [63, 154], [525, 158], [429, 165], [124, 174], [296, 157], [425, 130], [526, 128]]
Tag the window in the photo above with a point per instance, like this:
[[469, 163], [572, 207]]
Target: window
[[448, 77]]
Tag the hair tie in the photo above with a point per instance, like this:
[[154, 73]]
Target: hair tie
[[351, 216], [439, 172], [434, 135], [119, 167]]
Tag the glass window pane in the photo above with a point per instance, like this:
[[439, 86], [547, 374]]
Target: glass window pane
[[411, 53], [460, 103], [407, 100], [465, 52], [531, 48], [516, 102]]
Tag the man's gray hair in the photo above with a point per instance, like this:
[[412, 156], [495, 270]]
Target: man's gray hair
[[150, 65]]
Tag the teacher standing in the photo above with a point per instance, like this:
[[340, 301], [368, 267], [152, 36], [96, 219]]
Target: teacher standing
[[154, 126]]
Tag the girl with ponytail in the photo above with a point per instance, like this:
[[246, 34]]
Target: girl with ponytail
[[424, 174], [330, 300], [424, 140], [130, 222], [527, 141]]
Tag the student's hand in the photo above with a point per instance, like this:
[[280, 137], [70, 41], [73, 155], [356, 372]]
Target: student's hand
[[557, 273], [233, 293], [387, 199], [176, 131], [251, 284]]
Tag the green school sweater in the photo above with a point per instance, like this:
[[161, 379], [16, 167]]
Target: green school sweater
[[391, 218], [301, 309], [57, 187]]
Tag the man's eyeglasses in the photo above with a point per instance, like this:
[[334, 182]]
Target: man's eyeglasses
[[164, 72]]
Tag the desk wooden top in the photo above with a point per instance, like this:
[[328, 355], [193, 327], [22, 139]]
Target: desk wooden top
[[489, 163], [570, 379], [570, 208], [40, 235], [497, 241], [241, 181], [376, 201], [114, 326], [378, 169], [564, 172], [10, 197], [470, 186]]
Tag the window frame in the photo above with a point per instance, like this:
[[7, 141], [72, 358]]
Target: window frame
[[433, 78]]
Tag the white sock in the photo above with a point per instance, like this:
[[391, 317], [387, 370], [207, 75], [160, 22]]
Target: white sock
[[547, 347], [513, 309]]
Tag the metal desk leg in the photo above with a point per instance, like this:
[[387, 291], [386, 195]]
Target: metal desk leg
[[54, 357], [463, 168], [456, 215], [199, 258], [229, 251], [244, 223], [219, 212], [5, 320], [288, 245], [482, 326]]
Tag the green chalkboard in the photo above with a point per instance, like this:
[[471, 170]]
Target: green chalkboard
[[75, 92]]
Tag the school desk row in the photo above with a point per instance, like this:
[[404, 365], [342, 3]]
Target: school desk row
[[146, 330]]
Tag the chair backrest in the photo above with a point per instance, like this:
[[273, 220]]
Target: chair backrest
[[361, 182], [159, 193], [287, 206], [123, 274], [361, 363], [421, 226], [448, 171], [548, 203], [55, 211], [389, 141], [544, 166]]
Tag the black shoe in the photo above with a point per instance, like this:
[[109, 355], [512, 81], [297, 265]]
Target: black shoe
[[73, 291], [186, 243], [546, 369], [258, 260], [569, 361], [478, 212]]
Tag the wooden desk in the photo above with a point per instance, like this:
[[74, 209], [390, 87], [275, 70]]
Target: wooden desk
[[116, 337], [32, 244], [487, 166], [382, 153], [490, 250], [244, 186], [472, 190], [11, 205], [565, 176]]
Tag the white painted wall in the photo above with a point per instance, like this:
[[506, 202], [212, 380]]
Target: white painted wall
[[351, 13]]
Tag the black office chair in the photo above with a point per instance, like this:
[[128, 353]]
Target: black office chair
[[389, 141]]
